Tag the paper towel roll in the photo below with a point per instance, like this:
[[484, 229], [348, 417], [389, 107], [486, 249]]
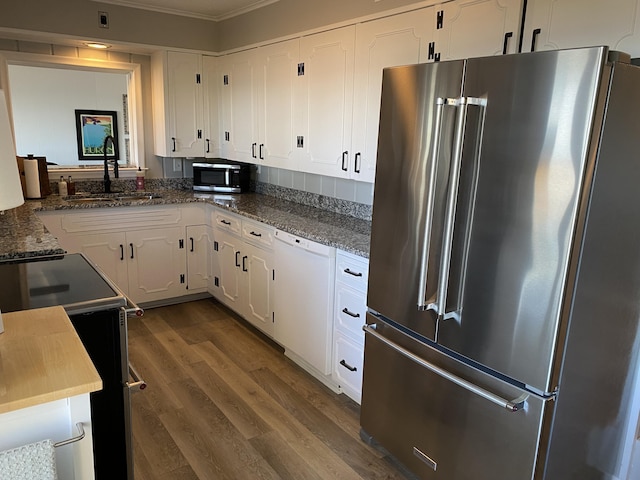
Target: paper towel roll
[[32, 178]]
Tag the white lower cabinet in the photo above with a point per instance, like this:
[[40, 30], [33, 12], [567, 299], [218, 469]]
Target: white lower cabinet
[[156, 264], [199, 270], [142, 249], [350, 313], [244, 254]]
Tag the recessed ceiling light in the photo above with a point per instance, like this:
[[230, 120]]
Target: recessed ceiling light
[[97, 45]]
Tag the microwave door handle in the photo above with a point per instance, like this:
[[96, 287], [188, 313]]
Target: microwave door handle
[[430, 204], [462, 105], [227, 178]]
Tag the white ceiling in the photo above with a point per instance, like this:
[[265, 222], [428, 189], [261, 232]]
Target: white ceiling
[[206, 9]]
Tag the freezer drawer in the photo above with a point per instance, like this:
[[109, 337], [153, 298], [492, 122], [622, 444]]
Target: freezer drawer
[[438, 429]]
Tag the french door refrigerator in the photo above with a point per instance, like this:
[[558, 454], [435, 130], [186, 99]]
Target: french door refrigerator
[[502, 334]]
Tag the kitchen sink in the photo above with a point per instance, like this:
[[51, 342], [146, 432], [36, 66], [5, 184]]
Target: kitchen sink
[[112, 198]]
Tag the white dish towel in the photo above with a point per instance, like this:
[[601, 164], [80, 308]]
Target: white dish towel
[[36, 461]]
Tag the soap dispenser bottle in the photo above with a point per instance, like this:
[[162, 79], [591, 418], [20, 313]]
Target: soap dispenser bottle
[[62, 187]]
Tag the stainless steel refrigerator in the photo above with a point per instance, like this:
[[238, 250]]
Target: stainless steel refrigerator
[[502, 335]]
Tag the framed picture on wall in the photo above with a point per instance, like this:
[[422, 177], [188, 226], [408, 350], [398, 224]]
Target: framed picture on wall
[[92, 128]]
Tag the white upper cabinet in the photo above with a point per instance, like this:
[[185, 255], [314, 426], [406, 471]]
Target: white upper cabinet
[[276, 81], [257, 96], [556, 24], [477, 28], [178, 104], [239, 106], [326, 89], [211, 87], [398, 40]]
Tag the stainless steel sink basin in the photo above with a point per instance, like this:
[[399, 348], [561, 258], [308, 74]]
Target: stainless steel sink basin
[[113, 198]]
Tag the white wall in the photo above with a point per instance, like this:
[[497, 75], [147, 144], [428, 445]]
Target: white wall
[[44, 101]]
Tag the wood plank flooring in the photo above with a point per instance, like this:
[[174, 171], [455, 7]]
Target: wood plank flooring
[[223, 402]]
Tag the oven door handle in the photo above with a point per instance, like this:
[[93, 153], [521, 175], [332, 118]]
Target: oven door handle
[[132, 310], [138, 383]]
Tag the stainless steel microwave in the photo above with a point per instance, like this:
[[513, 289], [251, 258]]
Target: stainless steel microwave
[[221, 176]]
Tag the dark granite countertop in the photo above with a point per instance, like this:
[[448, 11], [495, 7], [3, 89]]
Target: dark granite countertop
[[23, 235], [341, 231]]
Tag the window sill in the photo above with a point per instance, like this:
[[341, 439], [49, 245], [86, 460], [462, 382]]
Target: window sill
[[80, 173]]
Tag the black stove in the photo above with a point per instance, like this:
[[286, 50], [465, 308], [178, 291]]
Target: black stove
[[68, 280]]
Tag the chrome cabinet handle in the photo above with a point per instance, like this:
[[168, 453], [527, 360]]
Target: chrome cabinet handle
[[510, 405], [351, 272], [351, 314], [347, 366]]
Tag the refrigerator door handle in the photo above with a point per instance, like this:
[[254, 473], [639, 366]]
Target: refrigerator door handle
[[510, 405], [423, 304], [451, 205]]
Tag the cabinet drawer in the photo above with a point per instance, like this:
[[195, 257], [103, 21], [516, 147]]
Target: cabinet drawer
[[120, 219], [347, 366], [257, 233], [351, 310], [352, 270], [228, 222]]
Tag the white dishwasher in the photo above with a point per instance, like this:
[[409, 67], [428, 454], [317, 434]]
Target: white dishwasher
[[303, 303]]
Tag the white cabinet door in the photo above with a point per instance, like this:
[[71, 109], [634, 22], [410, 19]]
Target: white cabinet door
[[327, 101], [185, 104], [199, 240], [398, 40], [107, 251], [555, 24], [156, 264], [211, 86], [275, 91], [257, 268], [179, 109], [477, 28], [239, 106], [230, 269]]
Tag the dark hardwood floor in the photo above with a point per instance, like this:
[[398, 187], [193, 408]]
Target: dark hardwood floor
[[223, 402]]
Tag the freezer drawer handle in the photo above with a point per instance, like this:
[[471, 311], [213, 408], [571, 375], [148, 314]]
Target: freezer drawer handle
[[511, 405]]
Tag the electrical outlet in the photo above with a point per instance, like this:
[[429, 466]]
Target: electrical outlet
[[103, 19], [177, 164]]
